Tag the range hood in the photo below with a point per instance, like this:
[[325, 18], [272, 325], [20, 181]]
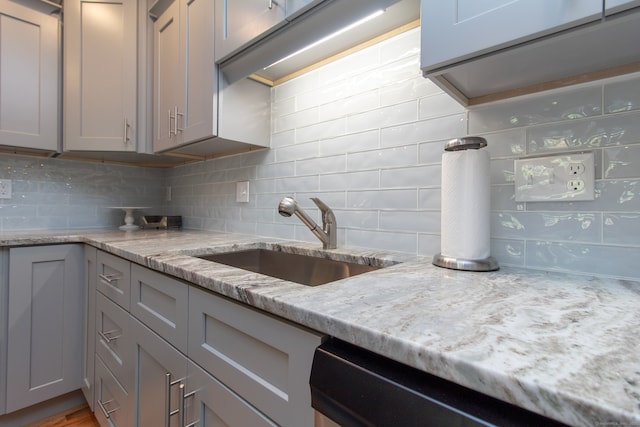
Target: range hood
[[320, 20]]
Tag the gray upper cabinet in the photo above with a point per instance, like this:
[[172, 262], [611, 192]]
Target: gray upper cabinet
[[29, 50], [615, 6], [494, 49], [455, 30], [100, 79], [195, 111], [240, 21]]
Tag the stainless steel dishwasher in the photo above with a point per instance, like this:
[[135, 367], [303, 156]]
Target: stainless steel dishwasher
[[355, 387]]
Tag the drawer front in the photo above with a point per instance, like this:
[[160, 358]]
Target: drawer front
[[112, 338], [214, 404], [114, 278], [161, 303], [265, 360], [111, 399]]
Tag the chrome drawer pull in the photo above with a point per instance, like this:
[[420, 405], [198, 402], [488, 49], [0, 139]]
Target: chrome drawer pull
[[107, 335], [102, 405], [110, 278], [183, 398], [167, 389]]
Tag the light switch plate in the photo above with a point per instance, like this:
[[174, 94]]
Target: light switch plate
[[242, 192], [5, 188], [564, 177]]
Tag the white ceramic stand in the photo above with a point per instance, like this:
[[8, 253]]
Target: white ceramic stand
[[128, 217]]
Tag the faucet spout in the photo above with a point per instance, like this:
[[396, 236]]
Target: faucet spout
[[326, 234]]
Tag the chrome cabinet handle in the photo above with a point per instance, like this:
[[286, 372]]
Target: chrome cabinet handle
[[126, 138], [167, 390], [110, 278], [272, 3], [107, 413], [177, 114], [183, 397], [171, 132], [106, 336]]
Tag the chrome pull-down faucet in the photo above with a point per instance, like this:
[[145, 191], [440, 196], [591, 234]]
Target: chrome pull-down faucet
[[327, 234]]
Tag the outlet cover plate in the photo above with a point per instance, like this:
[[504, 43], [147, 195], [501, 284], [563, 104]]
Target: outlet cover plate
[[562, 178]]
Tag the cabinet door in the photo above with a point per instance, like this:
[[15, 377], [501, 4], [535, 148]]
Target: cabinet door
[[454, 30], [263, 359], [212, 404], [45, 323], [167, 87], [162, 304], [112, 337], [89, 323], [29, 43], [159, 370], [100, 47], [112, 400], [614, 6], [198, 106], [238, 22], [114, 278]]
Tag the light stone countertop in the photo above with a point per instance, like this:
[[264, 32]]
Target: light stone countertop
[[565, 346]]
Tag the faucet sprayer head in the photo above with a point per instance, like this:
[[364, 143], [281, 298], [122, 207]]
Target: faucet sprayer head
[[287, 206]]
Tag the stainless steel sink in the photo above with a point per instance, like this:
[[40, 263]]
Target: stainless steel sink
[[303, 269]]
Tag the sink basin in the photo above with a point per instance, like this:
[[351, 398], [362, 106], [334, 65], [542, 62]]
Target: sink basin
[[303, 269]]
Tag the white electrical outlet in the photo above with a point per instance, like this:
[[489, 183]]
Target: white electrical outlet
[[5, 188], [565, 177], [242, 192]]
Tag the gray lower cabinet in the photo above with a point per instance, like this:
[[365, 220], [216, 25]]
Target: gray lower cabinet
[[45, 316], [159, 372], [210, 403], [89, 323], [112, 400], [181, 355], [265, 360]]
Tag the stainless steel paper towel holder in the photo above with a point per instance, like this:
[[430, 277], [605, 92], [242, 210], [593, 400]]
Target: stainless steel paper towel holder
[[486, 264]]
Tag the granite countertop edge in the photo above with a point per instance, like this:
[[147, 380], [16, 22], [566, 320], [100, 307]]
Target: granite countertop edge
[[562, 345]]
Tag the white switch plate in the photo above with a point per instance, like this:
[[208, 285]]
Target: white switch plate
[[5, 188], [242, 192], [565, 177]]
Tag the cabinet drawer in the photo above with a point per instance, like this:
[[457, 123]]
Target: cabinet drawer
[[213, 401], [114, 278], [265, 360], [161, 303], [112, 338], [111, 399]]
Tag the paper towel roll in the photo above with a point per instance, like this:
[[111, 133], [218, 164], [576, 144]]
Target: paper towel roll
[[466, 201]]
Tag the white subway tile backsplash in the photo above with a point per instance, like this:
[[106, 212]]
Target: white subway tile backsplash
[[383, 117], [387, 157], [350, 180], [440, 128], [412, 221], [362, 141], [565, 104], [621, 96], [438, 105], [383, 199], [420, 176], [366, 134]]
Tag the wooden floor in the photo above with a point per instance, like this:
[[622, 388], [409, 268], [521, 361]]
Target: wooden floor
[[80, 416]]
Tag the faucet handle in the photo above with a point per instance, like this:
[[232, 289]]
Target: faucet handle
[[321, 205]]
